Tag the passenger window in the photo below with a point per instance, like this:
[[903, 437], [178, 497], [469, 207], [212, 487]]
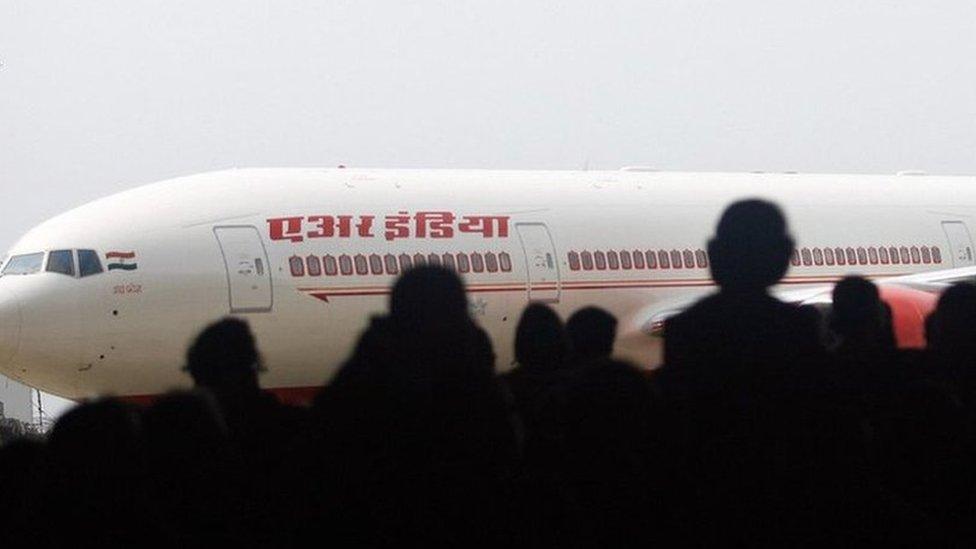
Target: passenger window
[[405, 262], [61, 262], [895, 258], [345, 265], [297, 266], [448, 261], [807, 258], [613, 260], [314, 265], [587, 259], [491, 262], [419, 260], [574, 261], [477, 262], [904, 255], [463, 263], [916, 258], [638, 259], [24, 264], [795, 258], [331, 267], [391, 264], [600, 259], [851, 256], [375, 264], [818, 258], [362, 266], [883, 255], [676, 259], [88, 263], [873, 255], [936, 254], [505, 262], [689, 258], [433, 259], [662, 259], [702, 259], [651, 259], [625, 261], [841, 258], [829, 256], [926, 255]]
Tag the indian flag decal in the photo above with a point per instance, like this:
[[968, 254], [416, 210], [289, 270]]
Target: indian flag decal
[[123, 261]]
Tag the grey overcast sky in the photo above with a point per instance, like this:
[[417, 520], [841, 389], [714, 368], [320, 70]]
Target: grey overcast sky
[[96, 97]]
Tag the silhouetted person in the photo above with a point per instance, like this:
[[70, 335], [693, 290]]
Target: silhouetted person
[[611, 453], [542, 356], [21, 475], [415, 440], [193, 472], [951, 335], [225, 361], [742, 339], [592, 332], [859, 319], [94, 488]]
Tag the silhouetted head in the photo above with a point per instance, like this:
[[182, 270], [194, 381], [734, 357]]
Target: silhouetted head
[[429, 297], [540, 339], [751, 247], [94, 437], [858, 312], [592, 332], [223, 355], [952, 326]]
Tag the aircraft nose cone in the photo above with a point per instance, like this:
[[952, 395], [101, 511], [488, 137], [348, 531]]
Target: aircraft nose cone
[[9, 327]]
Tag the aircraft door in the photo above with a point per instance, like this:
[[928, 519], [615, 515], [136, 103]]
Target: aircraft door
[[248, 272], [541, 265], [960, 243]]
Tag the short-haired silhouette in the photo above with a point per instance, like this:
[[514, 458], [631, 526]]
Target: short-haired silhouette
[[224, 352], [858, 318], [741, 338], [951, 335], [94, 486], [592, 331], [541, 343], [414, 423], [224, 360]]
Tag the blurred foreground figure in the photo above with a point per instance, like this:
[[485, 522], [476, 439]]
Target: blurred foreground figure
[[859, 320], [592, 332], [225, 361], [951, 334], [414, 439]]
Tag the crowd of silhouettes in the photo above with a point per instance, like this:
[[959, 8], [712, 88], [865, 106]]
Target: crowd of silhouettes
[[768, 424]]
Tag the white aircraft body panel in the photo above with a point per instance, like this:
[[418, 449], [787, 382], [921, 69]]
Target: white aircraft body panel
[[182, 253]]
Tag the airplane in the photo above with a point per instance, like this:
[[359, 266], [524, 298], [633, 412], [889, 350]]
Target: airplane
[[105, 298]]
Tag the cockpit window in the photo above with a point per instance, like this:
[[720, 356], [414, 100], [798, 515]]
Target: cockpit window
[[61, 262], [88, 263], [24, 264]]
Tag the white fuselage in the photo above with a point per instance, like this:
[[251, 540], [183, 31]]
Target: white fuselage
[[308, 255]]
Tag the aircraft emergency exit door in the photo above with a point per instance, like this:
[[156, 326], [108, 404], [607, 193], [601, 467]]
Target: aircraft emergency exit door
[[960, 243], [541, 265], [248, 272]]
